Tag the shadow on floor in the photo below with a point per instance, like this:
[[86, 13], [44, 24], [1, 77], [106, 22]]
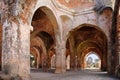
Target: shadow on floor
[[83, 74], [41, 70]]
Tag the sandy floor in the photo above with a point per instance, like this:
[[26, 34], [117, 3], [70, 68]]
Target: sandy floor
[[71, 75]]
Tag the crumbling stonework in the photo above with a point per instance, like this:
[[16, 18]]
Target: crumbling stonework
[[15, 42], [117, 72], [58, 27]]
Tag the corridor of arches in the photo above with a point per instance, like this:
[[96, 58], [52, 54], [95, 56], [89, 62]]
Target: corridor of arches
[[85, 39], [56, 35], [42, 39], [92, 61], [81, 40]]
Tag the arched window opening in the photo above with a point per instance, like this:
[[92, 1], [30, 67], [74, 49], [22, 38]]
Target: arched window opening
[[32, 61], [92, 61], [53, 62], [68, 62]]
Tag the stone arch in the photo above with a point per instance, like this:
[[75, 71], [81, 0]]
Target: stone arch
[[45, 6], [86, 52], [92, 53], [47, 39], [46, 28], [105, 8], [86, 24], [85, 47], [38, 42], [49, 45], [92, 36], [82, 46], [35, 52], [50, 13]]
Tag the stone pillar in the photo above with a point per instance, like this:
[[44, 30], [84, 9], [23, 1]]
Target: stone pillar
[[15, 50], [117, 57], [60, 58], [118, 41], [72, 55], [15, 43], [104, 63], [113, 36], [109, 57], [35, 52]]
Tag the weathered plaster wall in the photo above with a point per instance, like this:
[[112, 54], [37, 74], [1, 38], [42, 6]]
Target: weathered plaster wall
[[15, 42], [58, 21], [76, 5]]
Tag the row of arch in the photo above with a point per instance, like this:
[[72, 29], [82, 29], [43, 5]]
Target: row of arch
[[80, 41]]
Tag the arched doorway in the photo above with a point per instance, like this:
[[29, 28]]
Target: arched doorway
[[68, 55], [68, 62], [41, 47], [35, 54], [53, 61], [33, 62], [92, 61]]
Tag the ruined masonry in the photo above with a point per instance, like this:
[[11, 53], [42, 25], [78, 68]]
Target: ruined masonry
[[57, 34]]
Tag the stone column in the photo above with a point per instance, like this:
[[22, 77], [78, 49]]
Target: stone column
[[72, 55], [15, 50], [104, 63], [113, 36], [118, 46], [15, 44], [109, 57], [24, 51], [60, 57], [118, 41]]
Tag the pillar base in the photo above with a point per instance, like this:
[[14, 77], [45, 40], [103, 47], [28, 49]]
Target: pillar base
[[8, 77], [104, 68], [60, 70], [4, 77], [117, 71]]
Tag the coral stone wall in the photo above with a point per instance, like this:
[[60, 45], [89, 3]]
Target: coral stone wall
[[58, 18], [77, 4]]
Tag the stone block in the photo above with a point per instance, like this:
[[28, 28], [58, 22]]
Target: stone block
[[8, 77]]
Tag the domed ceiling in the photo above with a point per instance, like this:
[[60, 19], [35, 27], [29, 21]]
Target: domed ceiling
[[76, 5]]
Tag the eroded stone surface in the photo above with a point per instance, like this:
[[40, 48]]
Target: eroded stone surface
[[55, 29]]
